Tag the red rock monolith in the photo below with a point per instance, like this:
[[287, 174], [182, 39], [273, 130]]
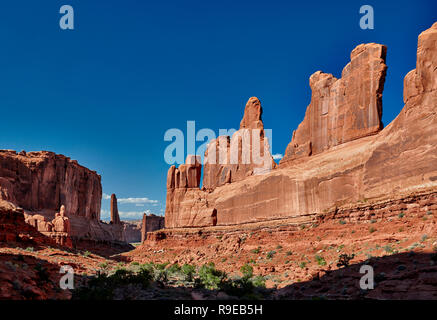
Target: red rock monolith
[[345, 109], [115, 218]]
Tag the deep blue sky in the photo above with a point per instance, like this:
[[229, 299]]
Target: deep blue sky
[[106, 92]]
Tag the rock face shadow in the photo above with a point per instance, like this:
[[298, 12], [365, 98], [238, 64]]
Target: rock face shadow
[[403, 276]]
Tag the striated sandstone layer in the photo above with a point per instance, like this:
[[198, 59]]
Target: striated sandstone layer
[[58, 197], [246, 153], [345, 109], [348, 160], [186, 204], [227, 160], [44, 181]]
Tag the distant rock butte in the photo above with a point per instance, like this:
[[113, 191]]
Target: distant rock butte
[[150, 223], [339, 155], [46, 181], [132, 231], [58, 197]]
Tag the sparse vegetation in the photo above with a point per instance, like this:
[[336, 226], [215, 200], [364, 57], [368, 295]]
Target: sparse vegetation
[[270, 254], [389, 249], [320, 260], [102, 287], [86, 253], [174, 268], [257, 250], [247, 271], [188, 270]]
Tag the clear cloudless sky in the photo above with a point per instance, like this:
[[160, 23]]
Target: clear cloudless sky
[[106, 92]]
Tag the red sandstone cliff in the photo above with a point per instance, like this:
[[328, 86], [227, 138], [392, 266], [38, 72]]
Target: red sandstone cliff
[[13, 228], [246, 153], [338, 155], [59, 198], [345, 109], [44, 181]]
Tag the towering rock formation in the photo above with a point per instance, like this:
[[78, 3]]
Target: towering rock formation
[[150, 223], [343, 109], [227, 160], [186, 203], [247, 152], [406, 155], [352, 160], [187, 175], [115, 218]]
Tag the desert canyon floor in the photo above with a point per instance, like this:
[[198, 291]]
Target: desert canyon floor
[[297, 262]]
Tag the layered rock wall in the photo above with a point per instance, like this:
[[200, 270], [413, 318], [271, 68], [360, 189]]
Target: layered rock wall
[[247, 152], [338, 155], [227, 160], [43, 180], [58, 197], [345, 109]]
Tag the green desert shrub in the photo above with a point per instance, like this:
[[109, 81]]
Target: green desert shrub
[[102, 286], [210, 277], [189, 271], [270, 254], [247, 271], [320, 260]]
